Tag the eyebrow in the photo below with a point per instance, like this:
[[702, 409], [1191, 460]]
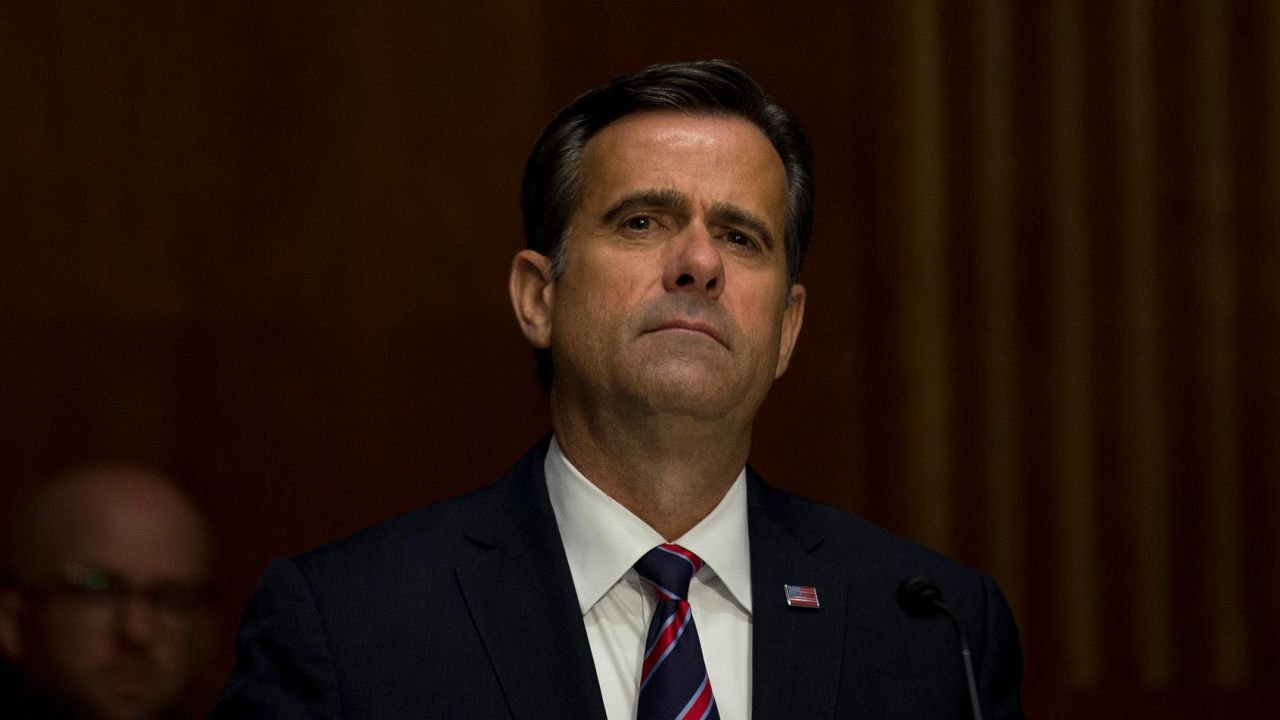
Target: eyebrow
[[657, 198], [674, 200]]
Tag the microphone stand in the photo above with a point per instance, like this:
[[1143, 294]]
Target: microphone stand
[[921, 598]]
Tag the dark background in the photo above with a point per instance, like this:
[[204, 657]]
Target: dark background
[[264, 246]]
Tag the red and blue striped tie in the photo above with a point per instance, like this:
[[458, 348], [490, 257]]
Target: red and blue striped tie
[[673, 678]]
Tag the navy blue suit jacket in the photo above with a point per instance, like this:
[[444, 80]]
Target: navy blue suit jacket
[[466, 609]]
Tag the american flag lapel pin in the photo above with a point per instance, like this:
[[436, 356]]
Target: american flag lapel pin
[[802, 596]]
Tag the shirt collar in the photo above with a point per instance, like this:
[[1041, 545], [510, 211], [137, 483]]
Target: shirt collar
[[602, 539]]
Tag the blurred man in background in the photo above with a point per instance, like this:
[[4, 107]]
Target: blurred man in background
[[103, 608]]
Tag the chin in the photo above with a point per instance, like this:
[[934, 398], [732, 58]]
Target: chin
[[134, 709], [696, 397], [131, 700]]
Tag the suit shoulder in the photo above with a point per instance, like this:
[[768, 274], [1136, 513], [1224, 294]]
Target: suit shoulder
[[433, 539], [425, 536], [844, 534]]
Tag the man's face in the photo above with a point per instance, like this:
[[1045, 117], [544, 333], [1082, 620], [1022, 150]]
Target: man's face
[[114, 622], [674, 295]]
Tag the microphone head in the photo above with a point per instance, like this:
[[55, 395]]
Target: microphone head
[[920, 597]]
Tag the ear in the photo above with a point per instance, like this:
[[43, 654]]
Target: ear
[[792, 319], [12, 607], [533, 296]]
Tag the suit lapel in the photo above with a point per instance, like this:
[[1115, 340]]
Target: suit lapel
[[520, 594], [797, 652]]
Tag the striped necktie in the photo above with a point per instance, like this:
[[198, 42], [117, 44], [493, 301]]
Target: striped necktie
[[673, 678]]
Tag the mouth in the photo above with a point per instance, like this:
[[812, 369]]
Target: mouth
[[129, 679], [689, 326]]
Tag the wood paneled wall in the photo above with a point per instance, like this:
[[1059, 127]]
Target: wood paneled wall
[[263, 246]]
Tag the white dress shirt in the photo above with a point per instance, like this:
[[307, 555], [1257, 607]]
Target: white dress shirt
[[602, 540]]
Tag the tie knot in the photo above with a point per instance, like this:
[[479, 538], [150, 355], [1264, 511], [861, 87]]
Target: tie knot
[[669, 568]]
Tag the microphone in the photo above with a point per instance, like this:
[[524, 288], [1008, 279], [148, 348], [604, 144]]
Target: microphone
[[922, 598]]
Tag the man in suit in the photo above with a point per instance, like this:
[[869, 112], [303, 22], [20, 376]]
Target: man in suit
[[631, 565]]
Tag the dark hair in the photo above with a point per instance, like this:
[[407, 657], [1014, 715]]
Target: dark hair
[[551, 187]]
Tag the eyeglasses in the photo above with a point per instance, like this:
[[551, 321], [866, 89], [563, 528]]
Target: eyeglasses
[[91, 586]]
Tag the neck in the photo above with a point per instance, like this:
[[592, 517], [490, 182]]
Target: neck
[[671, 472]]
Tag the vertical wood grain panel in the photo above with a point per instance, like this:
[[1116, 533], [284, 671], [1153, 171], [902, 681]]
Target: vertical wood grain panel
[[999, 476], [1264, 345], [1144, 461], [1214, 248], [1075, 494], [920, 208]]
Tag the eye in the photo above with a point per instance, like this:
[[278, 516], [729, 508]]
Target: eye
[[740, 238], [639, 223]]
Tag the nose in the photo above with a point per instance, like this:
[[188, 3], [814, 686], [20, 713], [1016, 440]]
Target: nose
[[694, 264], [137, 622]]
